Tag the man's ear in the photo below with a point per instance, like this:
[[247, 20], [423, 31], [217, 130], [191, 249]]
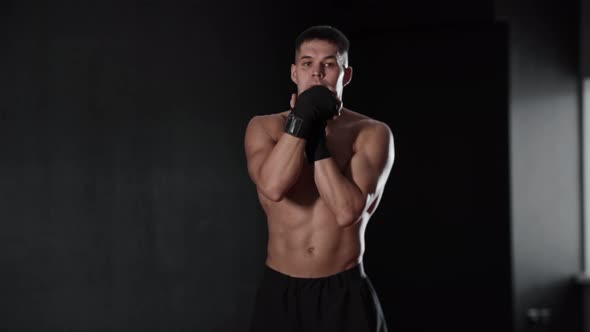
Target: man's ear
[[294, 73], [347, 75]]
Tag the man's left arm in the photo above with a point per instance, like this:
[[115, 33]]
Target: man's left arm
[[350, 194]]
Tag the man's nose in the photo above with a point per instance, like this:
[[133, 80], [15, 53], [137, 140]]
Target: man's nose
[[318, 71]]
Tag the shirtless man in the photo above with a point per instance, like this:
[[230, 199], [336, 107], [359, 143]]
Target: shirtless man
[[319, 170]]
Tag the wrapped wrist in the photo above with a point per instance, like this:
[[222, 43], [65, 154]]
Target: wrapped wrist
[[316, 147], [321, 149], [297, 126]]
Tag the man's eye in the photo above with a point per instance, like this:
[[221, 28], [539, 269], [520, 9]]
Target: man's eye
[[329, 64], [306, 63]]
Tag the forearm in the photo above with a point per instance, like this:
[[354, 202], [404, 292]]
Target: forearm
[[282, 167], [341, 195]]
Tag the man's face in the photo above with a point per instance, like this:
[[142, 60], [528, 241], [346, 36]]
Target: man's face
[[318, 62]]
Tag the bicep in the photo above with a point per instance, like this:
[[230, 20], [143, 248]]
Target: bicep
[[370, 166], [257, 145]]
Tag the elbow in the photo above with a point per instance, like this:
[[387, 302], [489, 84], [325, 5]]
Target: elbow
[[274, 193], [275, 196], [351, 213], [348, 218]]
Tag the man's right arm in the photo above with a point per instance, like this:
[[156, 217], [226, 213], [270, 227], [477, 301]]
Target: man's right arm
[[273, 166]]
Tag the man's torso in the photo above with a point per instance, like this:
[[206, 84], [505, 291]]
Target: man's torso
[[304, 239]]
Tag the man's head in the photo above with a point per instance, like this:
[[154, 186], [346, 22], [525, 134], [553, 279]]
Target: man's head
[[321, 58]]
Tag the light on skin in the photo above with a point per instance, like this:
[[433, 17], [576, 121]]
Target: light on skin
[[319, 62]]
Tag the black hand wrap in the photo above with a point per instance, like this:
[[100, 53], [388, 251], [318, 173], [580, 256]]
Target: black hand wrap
[[313, 108], [315, 147]]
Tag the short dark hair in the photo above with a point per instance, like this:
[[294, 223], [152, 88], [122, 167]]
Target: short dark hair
[[327, 33]]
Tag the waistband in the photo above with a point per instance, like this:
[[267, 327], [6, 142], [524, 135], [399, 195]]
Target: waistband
[[354, 273]]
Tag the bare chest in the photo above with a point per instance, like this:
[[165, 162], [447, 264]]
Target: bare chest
[[340, 142]]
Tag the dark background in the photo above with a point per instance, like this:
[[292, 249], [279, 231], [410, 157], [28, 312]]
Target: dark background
[[125, 199]]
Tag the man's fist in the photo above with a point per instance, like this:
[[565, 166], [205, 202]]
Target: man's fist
[[319, 100], [313, 108]]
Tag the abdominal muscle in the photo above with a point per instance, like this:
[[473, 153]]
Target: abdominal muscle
[[306, 242]]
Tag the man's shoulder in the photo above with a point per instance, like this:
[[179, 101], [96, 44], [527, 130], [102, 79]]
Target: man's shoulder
[[367, 125], [270, 118], [269, 123], [369, 130], [375, 138]]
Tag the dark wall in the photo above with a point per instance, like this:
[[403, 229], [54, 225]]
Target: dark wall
[[438, 247], [585, 37], [545, 161], [126, 204]]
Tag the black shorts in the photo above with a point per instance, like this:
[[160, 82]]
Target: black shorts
[[342, 302]]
